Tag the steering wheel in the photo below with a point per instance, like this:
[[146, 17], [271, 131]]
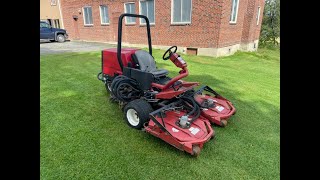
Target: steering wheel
[[170, 52]]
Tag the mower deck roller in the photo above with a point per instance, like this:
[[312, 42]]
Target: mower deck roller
[[168, 108]]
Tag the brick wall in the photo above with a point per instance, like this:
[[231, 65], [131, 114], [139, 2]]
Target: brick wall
[[209, 28], [251, 31]]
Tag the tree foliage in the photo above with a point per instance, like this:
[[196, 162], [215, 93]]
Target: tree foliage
[[270, 28]]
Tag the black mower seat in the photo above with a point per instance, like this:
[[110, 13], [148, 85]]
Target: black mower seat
[[146, 63]]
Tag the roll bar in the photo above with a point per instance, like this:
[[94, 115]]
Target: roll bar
[[120, 35]]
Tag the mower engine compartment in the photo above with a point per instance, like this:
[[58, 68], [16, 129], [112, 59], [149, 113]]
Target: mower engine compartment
[[110, 66]]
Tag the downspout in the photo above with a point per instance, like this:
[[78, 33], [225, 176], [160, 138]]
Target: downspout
[[60, 14]]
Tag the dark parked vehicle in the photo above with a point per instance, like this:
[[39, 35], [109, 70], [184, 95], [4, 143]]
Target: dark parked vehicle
[[52, 34]]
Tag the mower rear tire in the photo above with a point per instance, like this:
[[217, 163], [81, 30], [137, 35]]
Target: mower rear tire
[[136, 113]]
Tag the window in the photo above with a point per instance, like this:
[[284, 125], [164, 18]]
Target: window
[[87, 15], [234, 11], [258, 15], [147, 9], [44, 20], [44, 25], [130, 8], [104, 15], [181, 11], [53, 2]]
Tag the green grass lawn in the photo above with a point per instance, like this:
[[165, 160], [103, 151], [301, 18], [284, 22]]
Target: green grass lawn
[[84, 136]]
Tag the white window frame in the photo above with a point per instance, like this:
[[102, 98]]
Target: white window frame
[[101, 15], [84, 20], [187, 22], [125, 11], [258, 15], [154, 12], [53, 2], [235, 21]]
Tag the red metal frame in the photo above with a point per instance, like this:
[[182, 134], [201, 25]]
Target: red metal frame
[[171, 92], [183, 139], [189, 139], [180, 63]]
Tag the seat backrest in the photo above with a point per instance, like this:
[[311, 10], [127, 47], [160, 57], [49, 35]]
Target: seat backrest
[[145, 61]]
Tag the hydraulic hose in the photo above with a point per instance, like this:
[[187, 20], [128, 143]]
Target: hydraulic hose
[[124, 88], [195, 112]]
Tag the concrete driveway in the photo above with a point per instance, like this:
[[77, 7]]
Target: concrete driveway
[[47, 47]]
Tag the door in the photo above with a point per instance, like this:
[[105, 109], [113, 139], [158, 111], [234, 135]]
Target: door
[[45, 31], [76, 29]]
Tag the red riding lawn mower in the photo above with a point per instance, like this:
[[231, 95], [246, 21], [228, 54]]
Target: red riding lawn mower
[[168, 108]]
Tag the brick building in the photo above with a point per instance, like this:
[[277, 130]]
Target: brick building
[[203, 27], [50, 11]]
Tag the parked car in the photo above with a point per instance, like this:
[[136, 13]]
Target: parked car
[[52, 34]]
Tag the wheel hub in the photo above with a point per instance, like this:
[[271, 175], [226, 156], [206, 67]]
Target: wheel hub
[[133, 117]]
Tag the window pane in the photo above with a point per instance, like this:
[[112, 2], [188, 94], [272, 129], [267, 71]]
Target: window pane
[[186, 10], [107, 15], [132, 11], [151, 11], [235, 3], [143, 10], [86, 17], [53, 2], [258, 16], [147, 9], [90, 15], [104, 14], [176, 10], [130, 8], [231, 10], [127, 10], [44, 25]]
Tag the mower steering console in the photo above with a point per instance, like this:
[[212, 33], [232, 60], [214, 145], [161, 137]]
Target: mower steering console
[[179, 62], [174, 57], [164, 57]]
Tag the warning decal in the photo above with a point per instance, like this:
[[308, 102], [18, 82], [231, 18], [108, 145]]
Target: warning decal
[[193, 130], [219, 108], [175, 130]]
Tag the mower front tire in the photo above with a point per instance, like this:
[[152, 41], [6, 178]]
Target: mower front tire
[[136, 113]]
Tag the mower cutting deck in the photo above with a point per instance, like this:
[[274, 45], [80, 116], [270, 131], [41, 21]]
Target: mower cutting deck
[[168, 108]]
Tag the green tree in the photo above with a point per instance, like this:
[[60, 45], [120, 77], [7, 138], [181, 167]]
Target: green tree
[[270, 28]]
